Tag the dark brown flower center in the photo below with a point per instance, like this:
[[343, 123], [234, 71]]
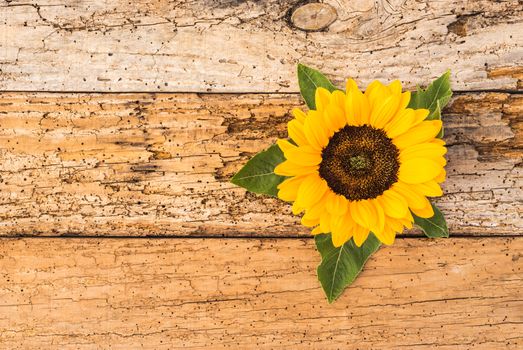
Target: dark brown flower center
[[360, 162]]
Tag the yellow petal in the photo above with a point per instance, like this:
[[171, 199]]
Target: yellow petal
[[327, 123], [322, 98], [285, 146], [383, 111], [395, 87], [386, 236], [404, 98], [408, 223], [440, 160], [376, 91], [296, 209], [351, 110], [413, 198], [311, 190], [340, 237], [359, 218], [360, 234], [377, 94], [336, 117], [338, 99], [404, 101], [318, 208], [316, 231], [357, 107], [401, 122], [303, 155], [288, 168], [299, 114], [393, 204], [309, 222], [418, 170], [439, 142], [373, 85], [409, 217], [335, 222], [325, 221], [295, 130], [430, 188], [441, 176], [426, 212], [395, 225], [315, 131], [351, 85], [342, 229], [379, 219], [336, 204], [363, 213], [405, 119], [364, 109], [422, 150], [420, 115], [425, 131], [288, 189]]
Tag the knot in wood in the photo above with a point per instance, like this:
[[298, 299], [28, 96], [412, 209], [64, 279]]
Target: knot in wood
[[313, 17]]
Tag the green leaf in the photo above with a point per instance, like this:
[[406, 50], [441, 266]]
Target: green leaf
[[435, 226], [434, 98], [309, 80], [258, 174], [436, 114], [340, 266]]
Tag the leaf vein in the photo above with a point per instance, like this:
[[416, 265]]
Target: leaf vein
[[335, 271]]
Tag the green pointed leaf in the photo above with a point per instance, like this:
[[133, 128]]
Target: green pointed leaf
[[309, 80], [438, 90], [340, 266], [436, 115], [258, 174], [435, 226], [434, 98]]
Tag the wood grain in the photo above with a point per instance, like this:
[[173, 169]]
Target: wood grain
[[250, 293], [159, 164], [251, 46], [156, 159]]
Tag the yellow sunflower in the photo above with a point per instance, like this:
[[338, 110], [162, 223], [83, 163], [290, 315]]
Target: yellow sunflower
[[362, 162]]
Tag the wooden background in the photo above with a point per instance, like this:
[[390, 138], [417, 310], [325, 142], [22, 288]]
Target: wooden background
[[121, 123]]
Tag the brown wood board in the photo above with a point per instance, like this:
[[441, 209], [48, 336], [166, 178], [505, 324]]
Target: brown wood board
[[253, 46], [160, 164], [73, 293]]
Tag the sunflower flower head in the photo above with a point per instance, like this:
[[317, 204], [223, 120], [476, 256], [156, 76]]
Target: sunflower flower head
[[362, 162]]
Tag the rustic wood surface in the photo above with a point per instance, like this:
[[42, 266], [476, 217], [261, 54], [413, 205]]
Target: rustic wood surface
[[253, 46], [160, 164], [250, 294], [124, 119]]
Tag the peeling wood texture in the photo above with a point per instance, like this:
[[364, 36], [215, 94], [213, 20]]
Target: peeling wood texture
[[159, 164], [252, 46], [121, 119], [257, 294]]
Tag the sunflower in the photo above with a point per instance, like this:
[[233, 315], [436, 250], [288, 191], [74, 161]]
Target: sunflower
[[362, 162]]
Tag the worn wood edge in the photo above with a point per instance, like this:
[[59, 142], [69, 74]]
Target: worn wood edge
[[248, 293], [251, 46], [159, 164]]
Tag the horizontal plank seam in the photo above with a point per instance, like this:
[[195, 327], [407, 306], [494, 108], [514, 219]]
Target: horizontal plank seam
[[467, 236], [456, 92]]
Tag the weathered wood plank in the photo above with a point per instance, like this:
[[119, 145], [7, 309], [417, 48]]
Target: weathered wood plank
[[249, 293], [159, 164], [250, 46]]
